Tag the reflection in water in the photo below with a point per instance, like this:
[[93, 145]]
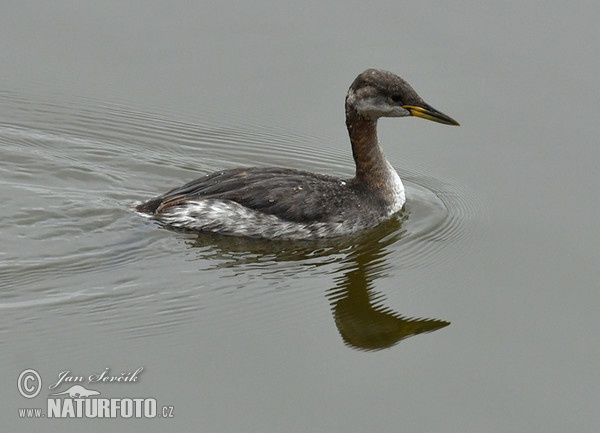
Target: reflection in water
[[363, 322]]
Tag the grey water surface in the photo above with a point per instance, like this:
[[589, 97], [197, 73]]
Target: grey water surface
[[475, 310]]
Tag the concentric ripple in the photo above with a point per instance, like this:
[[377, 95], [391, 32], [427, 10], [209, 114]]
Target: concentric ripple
[[71, 171]]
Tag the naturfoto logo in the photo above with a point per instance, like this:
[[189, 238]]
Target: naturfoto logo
[[78, 401]]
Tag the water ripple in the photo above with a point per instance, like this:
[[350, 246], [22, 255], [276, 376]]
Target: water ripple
[[70, 171]]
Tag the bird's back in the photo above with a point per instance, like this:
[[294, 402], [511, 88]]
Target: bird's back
[[292, 195]]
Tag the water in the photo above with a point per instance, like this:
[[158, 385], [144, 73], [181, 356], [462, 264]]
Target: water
[[474, 310]]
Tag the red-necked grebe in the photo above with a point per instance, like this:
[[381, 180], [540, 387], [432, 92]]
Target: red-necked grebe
[[281, 203]]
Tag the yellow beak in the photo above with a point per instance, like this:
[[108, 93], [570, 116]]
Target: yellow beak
[[427, 112]]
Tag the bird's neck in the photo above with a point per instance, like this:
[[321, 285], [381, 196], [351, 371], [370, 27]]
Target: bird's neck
[[372, 167]]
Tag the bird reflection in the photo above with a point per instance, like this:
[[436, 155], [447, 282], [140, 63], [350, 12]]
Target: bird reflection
[[360, 316]]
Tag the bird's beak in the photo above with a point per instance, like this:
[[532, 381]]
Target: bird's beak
[[428, 112]]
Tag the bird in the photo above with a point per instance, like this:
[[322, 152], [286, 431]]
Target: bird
[[284, 203]]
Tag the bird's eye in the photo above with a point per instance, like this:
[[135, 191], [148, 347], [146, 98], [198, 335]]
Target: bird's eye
[[396, 98]]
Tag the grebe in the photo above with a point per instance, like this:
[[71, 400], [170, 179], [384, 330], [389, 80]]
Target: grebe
[[280, 203]]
